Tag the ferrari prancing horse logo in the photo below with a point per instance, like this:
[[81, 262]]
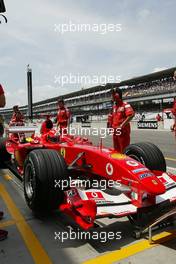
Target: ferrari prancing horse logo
[[62, 152]]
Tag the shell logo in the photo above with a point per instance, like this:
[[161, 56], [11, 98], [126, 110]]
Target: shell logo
[[118, 156]]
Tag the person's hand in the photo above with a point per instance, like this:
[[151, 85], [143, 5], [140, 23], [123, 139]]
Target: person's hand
[[120, 127]]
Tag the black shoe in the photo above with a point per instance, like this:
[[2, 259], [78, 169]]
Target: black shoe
[[3, 234]]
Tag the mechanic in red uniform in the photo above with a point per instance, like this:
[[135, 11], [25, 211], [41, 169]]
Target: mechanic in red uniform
[[63, 117], [17, 117], [158, 117], [173, 110], [46, 126], [121, 117], [3, 233]]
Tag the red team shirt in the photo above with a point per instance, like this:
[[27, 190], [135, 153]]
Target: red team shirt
[[63, 116], [17, 117], [120, 113], [174, 108]]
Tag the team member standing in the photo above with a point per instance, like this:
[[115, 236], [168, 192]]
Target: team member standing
[[17, 117], [63, 117], [174, 114], [121, 117], [158, 118], [3, 233]]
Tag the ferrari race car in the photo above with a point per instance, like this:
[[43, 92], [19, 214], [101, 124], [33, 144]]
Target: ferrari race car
[[88, 182]]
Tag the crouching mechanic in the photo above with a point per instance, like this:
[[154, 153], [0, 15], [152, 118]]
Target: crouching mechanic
[[121, 116], [3, 233], [63, 117], [46, 126]]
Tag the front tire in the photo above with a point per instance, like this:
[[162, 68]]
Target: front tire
[[41, 169], [148, 154]]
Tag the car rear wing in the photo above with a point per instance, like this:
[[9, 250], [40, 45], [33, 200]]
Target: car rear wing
[[27, 131], [21, 129]]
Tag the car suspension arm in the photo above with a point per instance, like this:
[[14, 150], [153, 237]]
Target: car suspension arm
[[73, 164]]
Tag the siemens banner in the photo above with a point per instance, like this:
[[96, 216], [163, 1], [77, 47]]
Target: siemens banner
[[147, 125]]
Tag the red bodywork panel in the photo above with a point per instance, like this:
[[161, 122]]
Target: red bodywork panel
[[103, 162]]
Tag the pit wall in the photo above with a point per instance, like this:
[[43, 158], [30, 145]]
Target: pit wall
[[164, 125]]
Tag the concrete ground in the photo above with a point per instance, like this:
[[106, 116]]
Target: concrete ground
[[32, 239]]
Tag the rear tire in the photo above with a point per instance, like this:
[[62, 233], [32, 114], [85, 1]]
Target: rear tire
[[148, 154], [41, 169]]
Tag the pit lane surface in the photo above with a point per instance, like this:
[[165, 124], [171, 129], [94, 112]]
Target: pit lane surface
[[32, 240]]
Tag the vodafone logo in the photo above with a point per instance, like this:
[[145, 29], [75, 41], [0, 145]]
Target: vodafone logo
[[94, 195], [109, 169]]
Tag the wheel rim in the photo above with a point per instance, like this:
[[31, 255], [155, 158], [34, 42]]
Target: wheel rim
[[29, 182]]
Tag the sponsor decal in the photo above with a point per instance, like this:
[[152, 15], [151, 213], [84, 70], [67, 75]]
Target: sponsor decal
[[145, 175], [140, 170], [154, 182], [130, 180], [62, 152], [167, 180], [118, 156], [29, 139], [94, 195], [134, 196], [132, 163], [121, 109], [109, 169], [147, 125]]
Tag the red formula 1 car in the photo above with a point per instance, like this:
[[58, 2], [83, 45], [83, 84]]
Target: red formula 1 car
[[86, 181]]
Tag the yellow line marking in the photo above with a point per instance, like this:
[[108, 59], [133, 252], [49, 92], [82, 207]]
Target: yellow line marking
[[6, 223], [7, 177], [133, 249], [37, 252], [167, 158]]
